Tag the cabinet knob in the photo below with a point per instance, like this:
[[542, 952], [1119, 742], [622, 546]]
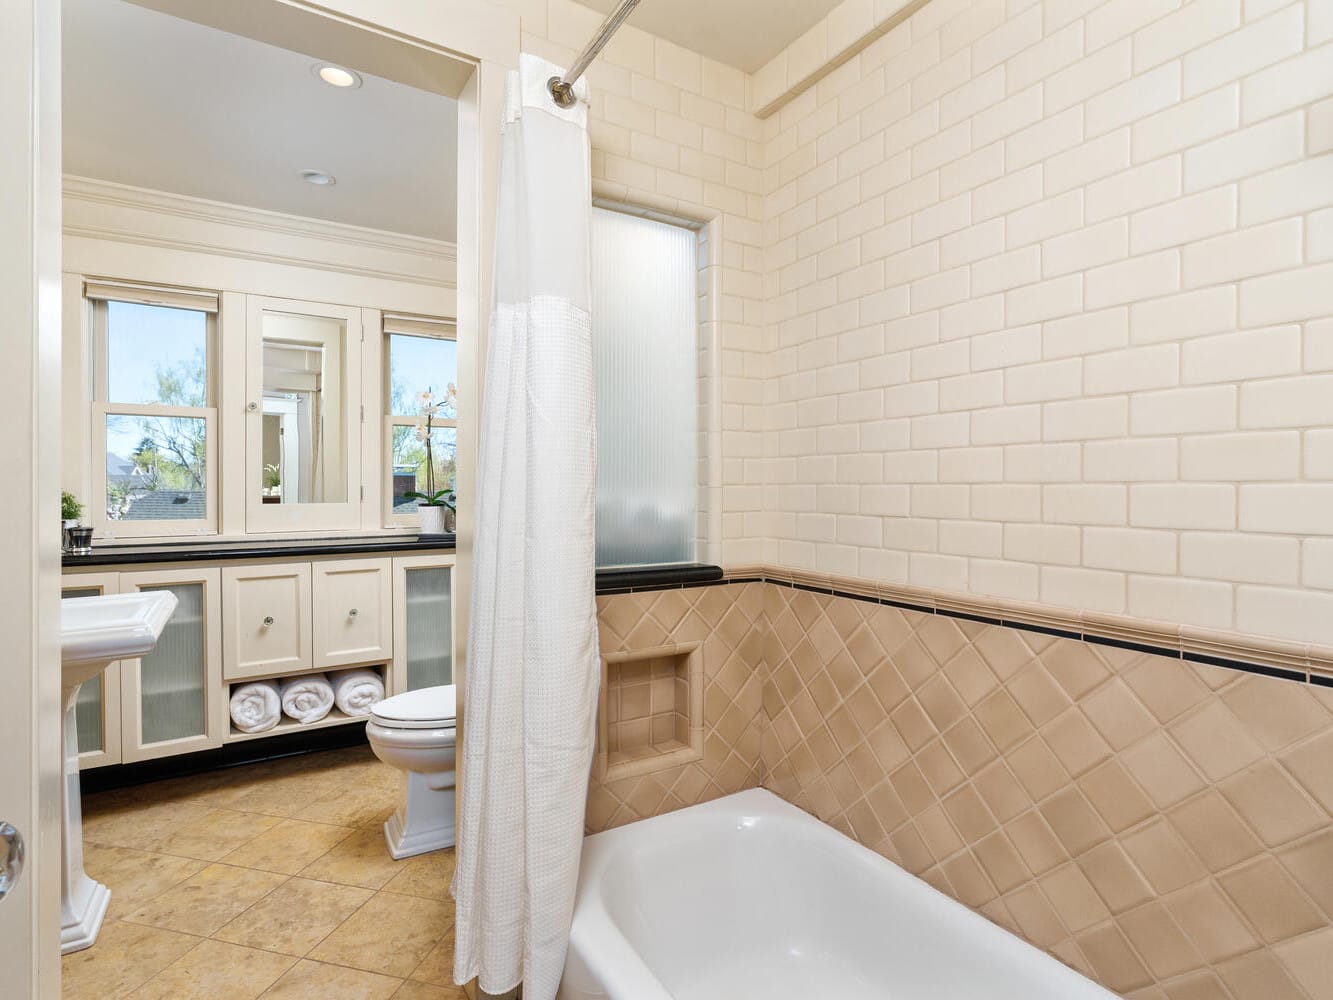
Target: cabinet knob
[[268, 620], [353, 613]]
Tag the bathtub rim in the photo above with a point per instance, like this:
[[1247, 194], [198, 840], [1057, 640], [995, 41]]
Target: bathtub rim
[[603, 963]]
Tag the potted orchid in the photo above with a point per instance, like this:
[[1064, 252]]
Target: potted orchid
[[435, 508]]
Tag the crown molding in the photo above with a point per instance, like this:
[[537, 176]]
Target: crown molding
[[102, 210]]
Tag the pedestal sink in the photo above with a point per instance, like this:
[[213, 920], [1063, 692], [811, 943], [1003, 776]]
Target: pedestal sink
[[94, 633]]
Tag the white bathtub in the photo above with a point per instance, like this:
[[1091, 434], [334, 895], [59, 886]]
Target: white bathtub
[[748, 898]]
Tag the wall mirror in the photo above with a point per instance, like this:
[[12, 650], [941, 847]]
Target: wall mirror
[[304, 452], [304, 410]]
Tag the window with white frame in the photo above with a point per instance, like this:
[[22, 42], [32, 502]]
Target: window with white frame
[[154, 417], [421, 413], [645, 339]]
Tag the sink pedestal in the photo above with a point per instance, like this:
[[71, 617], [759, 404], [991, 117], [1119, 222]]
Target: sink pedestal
[[83, 902], [94, 633]]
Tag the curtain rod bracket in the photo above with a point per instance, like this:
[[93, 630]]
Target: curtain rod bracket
[[561, 92], [562, 88]]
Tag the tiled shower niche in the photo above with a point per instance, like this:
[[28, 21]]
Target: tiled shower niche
[[651, 710]]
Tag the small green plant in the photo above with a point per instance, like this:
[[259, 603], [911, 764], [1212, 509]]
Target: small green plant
[[440, 498], [70, 508], [272, 476]]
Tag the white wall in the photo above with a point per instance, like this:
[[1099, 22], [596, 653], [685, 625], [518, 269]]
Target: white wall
[[1048, 291]]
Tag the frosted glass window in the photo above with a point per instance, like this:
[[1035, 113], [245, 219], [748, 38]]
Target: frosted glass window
[[171, 677], [645, 355], [430, 641]]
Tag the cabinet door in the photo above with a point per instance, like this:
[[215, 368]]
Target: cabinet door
[[97, 709], [423, 622], [353, 612], [172, 700], [266, 615]]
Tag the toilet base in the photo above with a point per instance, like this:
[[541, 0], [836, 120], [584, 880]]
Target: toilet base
[[425, 820]]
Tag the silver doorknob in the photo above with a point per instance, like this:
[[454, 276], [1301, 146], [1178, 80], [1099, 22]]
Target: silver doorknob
[[268, 620], [12, 868], [253, 407], [353, 613]]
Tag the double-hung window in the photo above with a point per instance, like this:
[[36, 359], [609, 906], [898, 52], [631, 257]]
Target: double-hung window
[[421, 412], [154, 413]]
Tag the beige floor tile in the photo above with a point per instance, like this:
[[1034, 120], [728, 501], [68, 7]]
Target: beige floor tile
[[438, 965], [316, 981], [203, 903], [425, 991], [427, 875], [288, 847], [390, 934], [124, 958], [216, 971], [362, 859], [135, 877], [294, 917], [213, 835], [127, 825], [352, 806]]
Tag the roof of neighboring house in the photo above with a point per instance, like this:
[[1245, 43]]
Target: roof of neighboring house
[[167, 505], [119, 471]]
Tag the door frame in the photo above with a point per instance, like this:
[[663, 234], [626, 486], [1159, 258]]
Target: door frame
[[472, 32]]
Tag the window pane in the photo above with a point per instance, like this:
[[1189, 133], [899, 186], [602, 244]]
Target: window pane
[[417, 365], [644, 355], [155, 468], [410, 465], [156, 354]]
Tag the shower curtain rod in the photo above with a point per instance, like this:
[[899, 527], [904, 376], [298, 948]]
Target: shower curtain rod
[[562, 88]]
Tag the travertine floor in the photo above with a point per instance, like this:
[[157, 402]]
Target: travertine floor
[[271, 881]]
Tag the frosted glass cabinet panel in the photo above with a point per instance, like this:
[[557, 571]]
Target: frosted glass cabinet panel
[[97, 708], [172, 697], [423, 622]]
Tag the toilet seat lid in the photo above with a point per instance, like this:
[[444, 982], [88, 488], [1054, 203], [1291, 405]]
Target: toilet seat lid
[[425, 708]]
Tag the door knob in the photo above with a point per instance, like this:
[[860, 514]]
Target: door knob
[[353, 613], [268, 620], [12, 842]]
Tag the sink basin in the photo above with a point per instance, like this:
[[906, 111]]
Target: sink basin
[[94, 633], [97, 631]]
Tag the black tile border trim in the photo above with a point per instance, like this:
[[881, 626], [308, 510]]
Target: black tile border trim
[[711, 576]]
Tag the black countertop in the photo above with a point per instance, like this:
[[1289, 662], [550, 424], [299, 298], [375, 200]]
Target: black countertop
[[609, 581], [215, 549]]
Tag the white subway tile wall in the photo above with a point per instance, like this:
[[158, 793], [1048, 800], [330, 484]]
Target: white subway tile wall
[[1046, 295]]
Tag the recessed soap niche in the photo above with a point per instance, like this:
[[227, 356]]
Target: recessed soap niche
[[650, 714]]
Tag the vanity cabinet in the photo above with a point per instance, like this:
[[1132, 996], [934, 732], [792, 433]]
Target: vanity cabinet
[[266, 613], [173, 700], [423, 621], [353, 612], [241, 621], [97, 708]]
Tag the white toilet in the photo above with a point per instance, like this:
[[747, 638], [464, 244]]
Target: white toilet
[[414, 732]]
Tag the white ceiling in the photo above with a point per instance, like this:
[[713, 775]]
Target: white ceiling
[[741, 33], [158, 102]]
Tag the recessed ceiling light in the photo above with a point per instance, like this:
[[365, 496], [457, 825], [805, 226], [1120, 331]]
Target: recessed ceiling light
[[336, 76], [318, 177]]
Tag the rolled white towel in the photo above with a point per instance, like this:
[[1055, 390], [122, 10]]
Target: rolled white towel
[[306, 699], [256, 707], [356, 691]]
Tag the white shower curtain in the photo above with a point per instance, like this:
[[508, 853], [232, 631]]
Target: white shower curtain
[[532, 666]]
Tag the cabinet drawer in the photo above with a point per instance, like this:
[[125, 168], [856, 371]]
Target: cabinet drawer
[[266, 620], [353, 612]]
